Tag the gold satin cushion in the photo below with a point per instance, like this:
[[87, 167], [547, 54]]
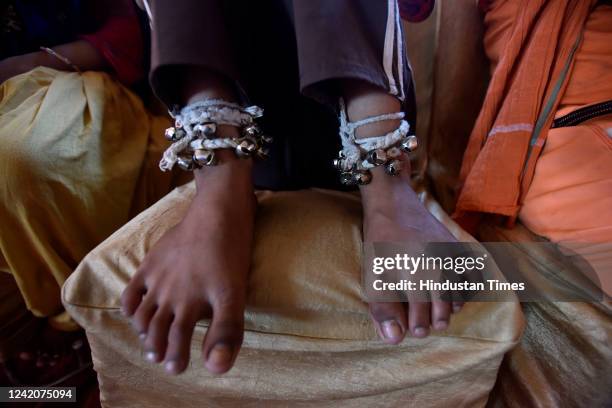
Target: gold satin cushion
[[308, 336]]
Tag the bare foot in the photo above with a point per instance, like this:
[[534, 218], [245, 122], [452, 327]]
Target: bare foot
[[393, 213], [199, 270]]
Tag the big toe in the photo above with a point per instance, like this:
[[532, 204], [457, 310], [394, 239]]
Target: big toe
[[224, 337], [390, 320]]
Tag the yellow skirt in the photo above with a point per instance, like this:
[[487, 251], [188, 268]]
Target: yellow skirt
[[78, 159]]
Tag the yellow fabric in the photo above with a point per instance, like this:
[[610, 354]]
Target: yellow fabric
[[74, 155], [309, 339]]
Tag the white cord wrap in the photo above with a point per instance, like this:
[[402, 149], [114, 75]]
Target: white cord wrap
[[215, 111], [353, 148]]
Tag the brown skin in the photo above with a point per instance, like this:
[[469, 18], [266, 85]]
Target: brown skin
[[199, 268], [393, 213], [80, 53]]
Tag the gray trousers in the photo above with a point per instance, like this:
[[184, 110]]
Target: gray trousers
[[286, 56]]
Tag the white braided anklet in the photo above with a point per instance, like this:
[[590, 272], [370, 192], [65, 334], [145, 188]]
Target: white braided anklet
[[194, 134], [358, 156]]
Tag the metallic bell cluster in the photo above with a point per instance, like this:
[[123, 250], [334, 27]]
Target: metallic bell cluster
[[390, 158], [253, 143], [205, 130], [174, 134], [250, 144]]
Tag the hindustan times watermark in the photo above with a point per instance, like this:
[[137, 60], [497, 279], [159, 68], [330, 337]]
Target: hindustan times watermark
[[476, 272]]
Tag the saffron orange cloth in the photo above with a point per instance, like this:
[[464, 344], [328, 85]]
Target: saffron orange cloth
[[569, 199], [535, 58]]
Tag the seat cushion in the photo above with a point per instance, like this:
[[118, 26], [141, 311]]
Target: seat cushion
[[308, 338]]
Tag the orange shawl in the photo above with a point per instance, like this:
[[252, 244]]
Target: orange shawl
[[519, 107]]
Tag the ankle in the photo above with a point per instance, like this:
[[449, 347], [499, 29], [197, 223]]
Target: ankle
[[388, 194], [231, 174], [365, 100]]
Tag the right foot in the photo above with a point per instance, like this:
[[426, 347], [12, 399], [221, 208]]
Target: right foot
[[393, 213], [198, 269]]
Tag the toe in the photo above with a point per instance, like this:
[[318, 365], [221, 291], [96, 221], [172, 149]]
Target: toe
[[390, 320], [157, 334], [143, 314], [224, 336], [418, 318], [132, 296], [440, 314], [179, 341]]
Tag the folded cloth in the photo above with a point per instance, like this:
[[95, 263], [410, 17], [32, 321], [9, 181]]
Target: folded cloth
[[533, 60], [569, 197], [564, 358], [308, 338], [76, 156]]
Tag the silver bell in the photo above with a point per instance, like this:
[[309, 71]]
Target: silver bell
[[362, 177], [173, 134], [346, 178], [246, 148], [377, 157], [204, 157], [393, 168], [409, 144], [251, 131], [185, 163], [338, 164], [207, 130], [263, 153], [394, 153]]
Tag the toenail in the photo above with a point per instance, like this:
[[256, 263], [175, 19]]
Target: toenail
[[142, 336], [391, 330], [441, 325], [420, 332], [151, 356], [221, 354], [172, 367]]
